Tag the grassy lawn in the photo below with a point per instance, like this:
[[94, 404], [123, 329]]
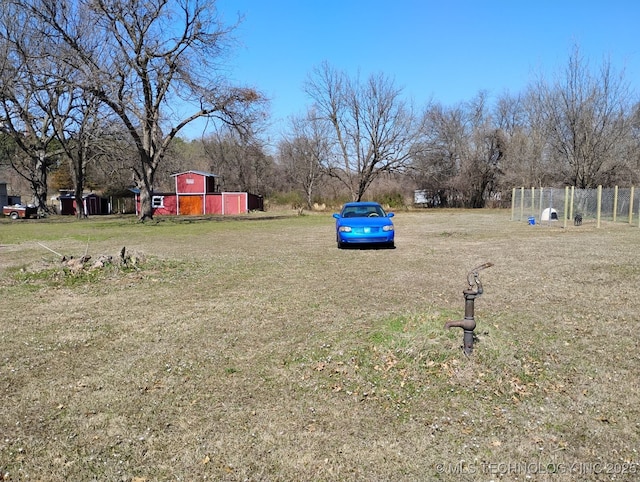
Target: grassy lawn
[[256, 350]]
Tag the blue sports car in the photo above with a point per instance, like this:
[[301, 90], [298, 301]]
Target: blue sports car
[[364, 223]]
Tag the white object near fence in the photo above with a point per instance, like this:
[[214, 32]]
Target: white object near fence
[[549, 214], [591, 205]]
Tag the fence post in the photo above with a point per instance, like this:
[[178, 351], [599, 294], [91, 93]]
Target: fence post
[[533, 202], [513, 204], [615, 203], [521, 202], [573, 189], [541, 201], [599, 206], [631, 206], [566, 203]]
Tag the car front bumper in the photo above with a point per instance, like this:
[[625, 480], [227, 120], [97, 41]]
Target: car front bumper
[[357, 238]]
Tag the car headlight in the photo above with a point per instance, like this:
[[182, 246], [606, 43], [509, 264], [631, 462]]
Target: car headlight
[[344, 229], [387, 228]]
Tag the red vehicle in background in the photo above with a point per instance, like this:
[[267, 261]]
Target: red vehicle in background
[[18, 211]]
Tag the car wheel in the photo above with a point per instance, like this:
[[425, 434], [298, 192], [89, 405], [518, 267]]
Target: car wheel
[[14, 215]]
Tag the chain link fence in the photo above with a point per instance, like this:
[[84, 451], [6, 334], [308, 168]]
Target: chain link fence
[[577, 206]]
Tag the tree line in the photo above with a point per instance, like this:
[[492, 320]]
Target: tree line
[[96, 93]]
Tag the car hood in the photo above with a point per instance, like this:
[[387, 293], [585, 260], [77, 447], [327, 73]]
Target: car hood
[[373, 221]]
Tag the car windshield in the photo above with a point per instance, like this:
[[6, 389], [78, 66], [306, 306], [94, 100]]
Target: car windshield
[[362, 211]]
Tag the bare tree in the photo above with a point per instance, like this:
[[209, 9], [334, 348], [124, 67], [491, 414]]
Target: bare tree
[[525, 162], [437, 160], [148, 61], [482, 154], [239, 160], [632, 167], [303, 152], [27, 94], [373, 129], [48, 114], [78, 126], [587, 119], [114, 172], [460, 160]]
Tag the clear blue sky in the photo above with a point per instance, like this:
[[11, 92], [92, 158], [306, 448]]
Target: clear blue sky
[[444, 50]]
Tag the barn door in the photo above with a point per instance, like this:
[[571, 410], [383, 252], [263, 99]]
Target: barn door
[[190, 205], [233, 202]]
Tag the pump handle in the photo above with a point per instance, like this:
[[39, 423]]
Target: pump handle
[[472, 276]]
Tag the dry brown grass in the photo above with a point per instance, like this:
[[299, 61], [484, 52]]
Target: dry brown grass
[[256, 350]]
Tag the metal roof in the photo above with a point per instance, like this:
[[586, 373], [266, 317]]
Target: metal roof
[[201, 173]]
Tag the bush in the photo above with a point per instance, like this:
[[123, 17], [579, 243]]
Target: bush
[[291, 198], [394, 200]]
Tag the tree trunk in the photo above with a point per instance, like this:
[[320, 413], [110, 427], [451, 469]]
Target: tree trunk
[[78, 193], [39, 188], [146, 208], [146, 193]]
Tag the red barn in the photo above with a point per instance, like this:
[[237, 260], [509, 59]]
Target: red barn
[[197, 193]]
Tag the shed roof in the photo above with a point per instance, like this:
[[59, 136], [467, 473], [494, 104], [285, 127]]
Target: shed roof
[[70, 195], [200, 173]]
